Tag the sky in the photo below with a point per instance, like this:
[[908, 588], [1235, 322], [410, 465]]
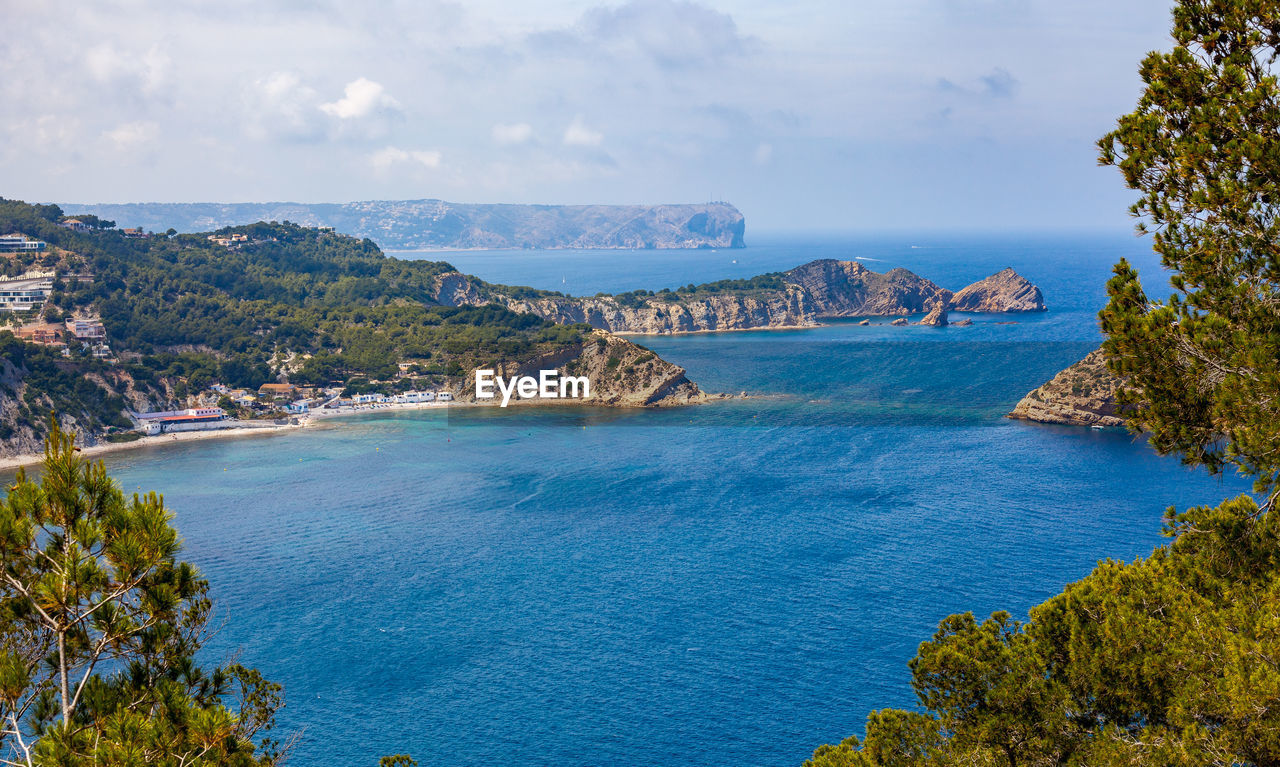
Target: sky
[[806, 114]]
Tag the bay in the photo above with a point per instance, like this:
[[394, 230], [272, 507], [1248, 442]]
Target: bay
[[730, 583]]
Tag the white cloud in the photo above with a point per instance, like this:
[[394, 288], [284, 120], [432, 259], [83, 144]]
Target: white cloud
[[129, 136], [385, 158], [147, 72], [361, 98], [513, 133], [578, 134], [280, 105], [763, 154]]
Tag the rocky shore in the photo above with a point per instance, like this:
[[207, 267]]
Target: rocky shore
[[1082, 395]]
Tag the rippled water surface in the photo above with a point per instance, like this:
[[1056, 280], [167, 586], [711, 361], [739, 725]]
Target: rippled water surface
[[728, 584]]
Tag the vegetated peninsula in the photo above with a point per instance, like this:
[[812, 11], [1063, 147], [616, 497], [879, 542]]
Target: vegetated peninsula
[[801, 297], [101, 325], [432, 224]]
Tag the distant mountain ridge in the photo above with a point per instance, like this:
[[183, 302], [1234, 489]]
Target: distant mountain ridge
[[427, 224]]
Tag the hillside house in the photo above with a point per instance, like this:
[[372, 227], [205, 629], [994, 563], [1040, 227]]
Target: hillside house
[[87, 329], [41, 333], [20, 243]]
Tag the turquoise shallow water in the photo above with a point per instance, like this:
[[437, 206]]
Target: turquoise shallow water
[[733, 583]]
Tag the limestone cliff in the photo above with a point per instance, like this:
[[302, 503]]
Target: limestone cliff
[[622, 374], [1005, 291], [671, 313], [801, 297], [1082, 395]]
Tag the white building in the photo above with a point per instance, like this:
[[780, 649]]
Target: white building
[[365, 399], [25, 292], [444, 396], [19, 243], [86, 328], [416, 396]]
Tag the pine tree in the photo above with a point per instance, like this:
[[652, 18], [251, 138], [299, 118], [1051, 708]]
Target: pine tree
[[99, 627]]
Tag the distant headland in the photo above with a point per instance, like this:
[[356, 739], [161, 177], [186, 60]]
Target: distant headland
[[437, 224]]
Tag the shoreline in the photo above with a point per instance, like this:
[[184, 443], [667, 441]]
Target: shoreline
[[15, 462], [308, 420]]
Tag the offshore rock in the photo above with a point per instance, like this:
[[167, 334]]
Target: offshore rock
[[1005, 291], [1082, 395], [937, 316]]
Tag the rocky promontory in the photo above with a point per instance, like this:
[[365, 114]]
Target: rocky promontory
[[1082, 395], [433, 224], [1004, 291], [801, 297], [849, 289]]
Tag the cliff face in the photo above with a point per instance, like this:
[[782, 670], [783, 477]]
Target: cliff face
[[809, 293], [622, 374], [786, 308], [1005, 291], [88, 402], [1082, 395], [408, 224]]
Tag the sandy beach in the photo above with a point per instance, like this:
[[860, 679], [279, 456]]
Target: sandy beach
[[250, 429]]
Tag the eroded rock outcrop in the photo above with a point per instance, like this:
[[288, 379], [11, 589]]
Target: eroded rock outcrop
[[937, 316], [1082, 395], [1004, 291]]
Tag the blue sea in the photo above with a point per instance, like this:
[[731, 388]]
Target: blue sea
[[733, 583]]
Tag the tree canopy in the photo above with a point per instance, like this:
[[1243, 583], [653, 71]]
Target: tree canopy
[[1203, 152], [100, 625]]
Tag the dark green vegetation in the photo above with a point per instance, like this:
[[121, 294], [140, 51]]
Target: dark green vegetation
[[54, 385], [1173, 659], [315, 306], [100, 624], [1203, 152]]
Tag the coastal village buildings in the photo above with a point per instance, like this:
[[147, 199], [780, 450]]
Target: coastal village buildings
[[75, 225], [276, 391], [191, 419]]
